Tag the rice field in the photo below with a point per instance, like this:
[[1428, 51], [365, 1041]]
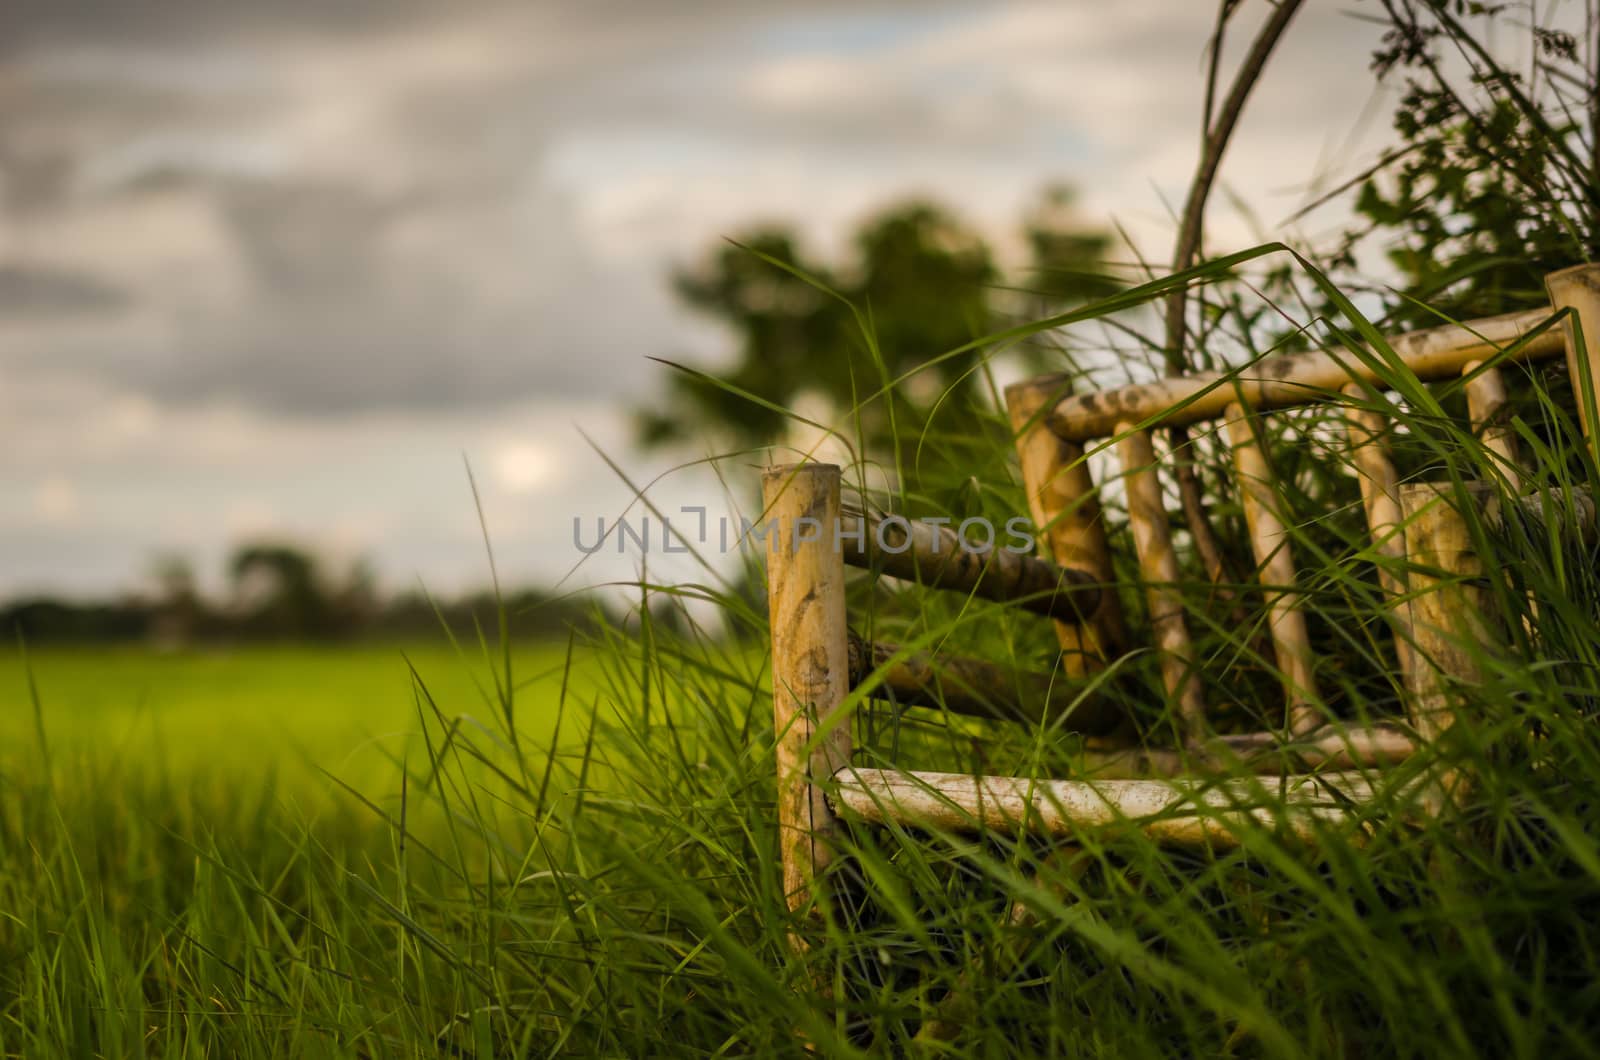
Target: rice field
[[287, 710]]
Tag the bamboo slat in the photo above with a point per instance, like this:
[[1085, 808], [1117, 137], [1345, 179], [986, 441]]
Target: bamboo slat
[[1486, 399], [1177, 812], [1269, 540], [1158, 566], [1380, 495], [1066, 510], [1260, 752], [1380, 485], [1298, 378]]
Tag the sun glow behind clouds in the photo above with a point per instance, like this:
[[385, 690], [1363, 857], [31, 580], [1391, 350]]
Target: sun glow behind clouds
[[522, 467]]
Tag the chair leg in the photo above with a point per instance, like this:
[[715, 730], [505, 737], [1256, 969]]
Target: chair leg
[[1449, 609], [1452, 618], [810, 665], [1578, 289]]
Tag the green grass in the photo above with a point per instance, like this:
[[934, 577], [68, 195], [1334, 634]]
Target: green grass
[[530, 859], [292, 709]]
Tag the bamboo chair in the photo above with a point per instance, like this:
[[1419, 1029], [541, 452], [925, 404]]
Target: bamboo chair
[[1201, 793]]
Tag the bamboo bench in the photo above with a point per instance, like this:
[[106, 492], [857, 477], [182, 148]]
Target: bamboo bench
[[1201, 791]]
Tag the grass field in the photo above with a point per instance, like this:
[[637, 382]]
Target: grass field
[[323, 852], [319, 852], [209, 852], [290, 710]]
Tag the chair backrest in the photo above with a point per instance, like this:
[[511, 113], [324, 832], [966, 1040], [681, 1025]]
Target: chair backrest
[[816, 661]]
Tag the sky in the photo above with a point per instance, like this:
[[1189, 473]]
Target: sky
[[286, 269]]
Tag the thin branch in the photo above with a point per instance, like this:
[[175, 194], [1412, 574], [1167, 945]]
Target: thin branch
[[1205, 174], [1219, 131], [1385, 160], [1213, 65], [1594, 97]]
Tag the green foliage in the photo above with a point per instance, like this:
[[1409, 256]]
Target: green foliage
[[1495, 182], [294, 602], [919, 284]]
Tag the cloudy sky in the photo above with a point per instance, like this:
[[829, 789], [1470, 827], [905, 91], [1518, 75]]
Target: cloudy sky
[[275, 268]]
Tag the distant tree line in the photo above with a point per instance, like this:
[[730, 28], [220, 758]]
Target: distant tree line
[[281, 592]]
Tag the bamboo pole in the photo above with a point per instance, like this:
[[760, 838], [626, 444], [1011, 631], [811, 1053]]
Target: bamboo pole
[[1580, 515], [810, 665], [1380, 496], [981, 689], [938, 557], [1296, 378], [1192, 812], [1066, 510], [1449, 606], [1337, 746], [1486, 400], [1578, 289], [1158, 566], [1259, 752], [1269, 540]]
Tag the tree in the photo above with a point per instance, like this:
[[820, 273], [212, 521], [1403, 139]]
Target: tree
[[281, 589], [919, 284], [284, 592], [178, 609]]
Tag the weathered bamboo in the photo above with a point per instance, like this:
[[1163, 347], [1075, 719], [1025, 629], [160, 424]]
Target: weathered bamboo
[[1486, 400], [982, 689], [1578, 289], [1177, 812], [1579, 513], [1259, 752], [1066, 510], [939, 557], [1297, 378], [1269, 540], [1334, 745], [1158, 566], [1380, 496], [1449, 606], [810, 665]]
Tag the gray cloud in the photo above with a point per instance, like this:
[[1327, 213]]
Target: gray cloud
[[26, 291], [320, 207], [265, 262], [365, 221], [32, 23]]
